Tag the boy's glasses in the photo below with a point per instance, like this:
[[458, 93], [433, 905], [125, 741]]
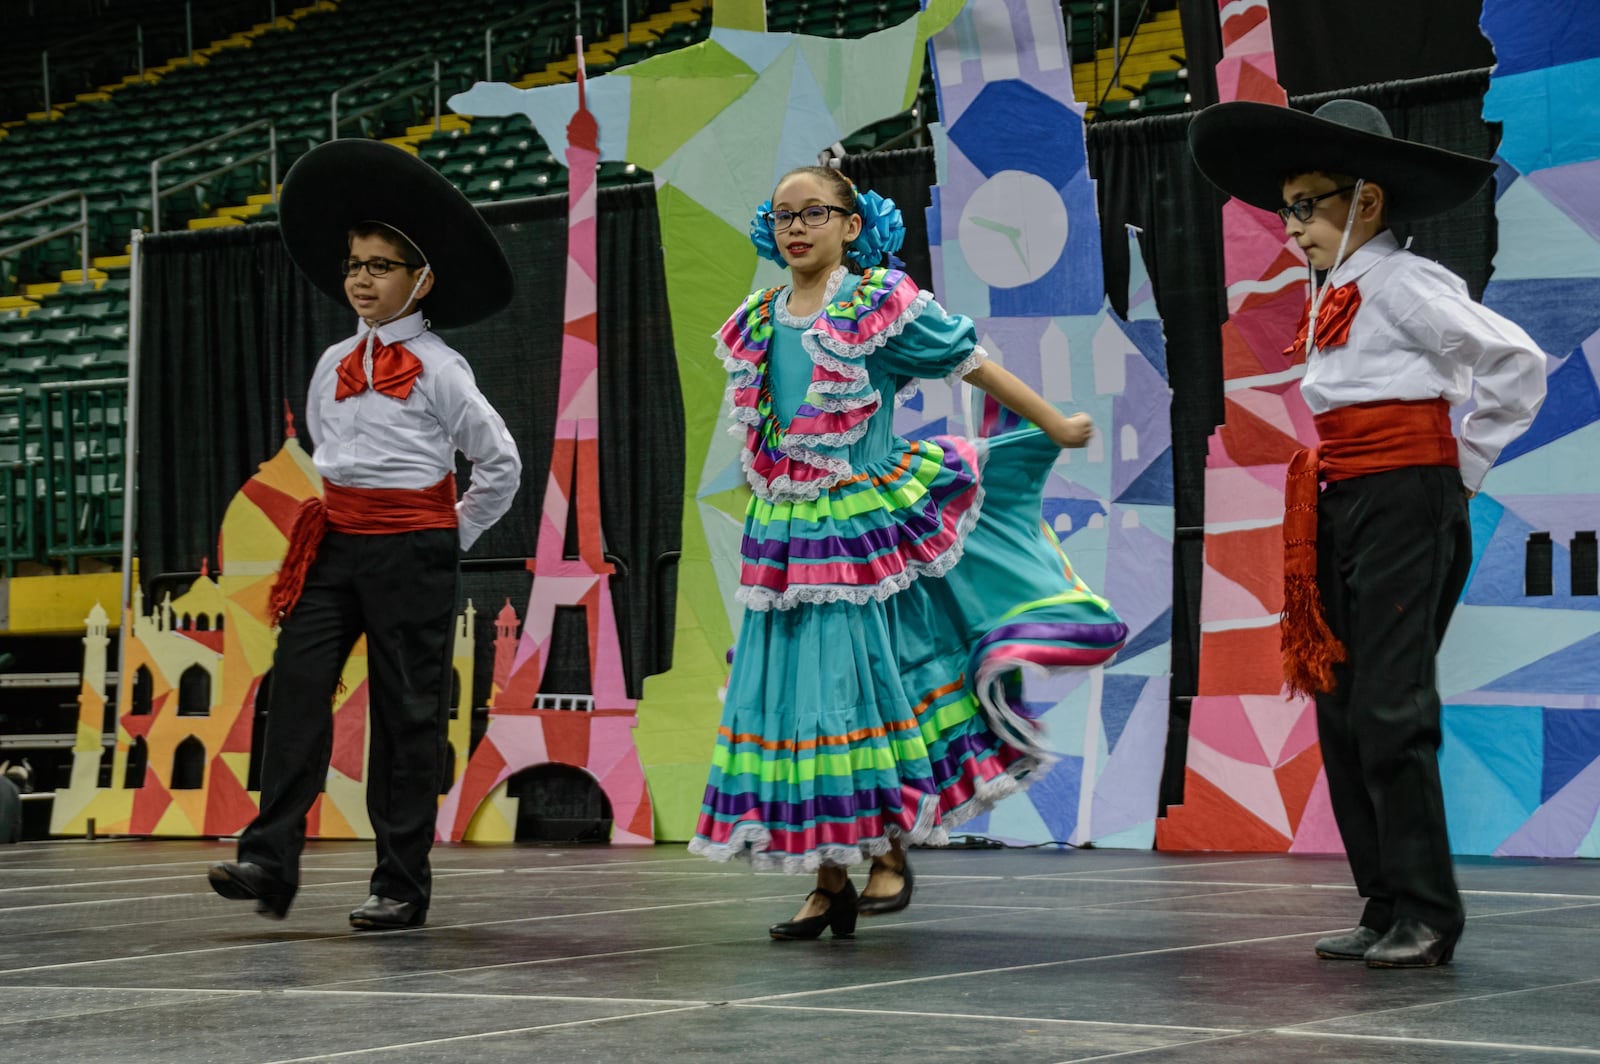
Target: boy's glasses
[[1303, 209], [813, 217], [375, 267]]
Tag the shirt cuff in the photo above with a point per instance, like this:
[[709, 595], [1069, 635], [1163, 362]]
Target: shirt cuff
[[1474, 468]]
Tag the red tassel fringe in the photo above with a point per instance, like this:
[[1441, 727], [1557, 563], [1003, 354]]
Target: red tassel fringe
[[1310, 649], [305, 536]]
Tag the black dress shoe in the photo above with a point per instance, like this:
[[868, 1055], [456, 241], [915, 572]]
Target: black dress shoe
[[1410, 943], [387, 914], [1350, 946], [840, 916], [242, 881], [873, 906]]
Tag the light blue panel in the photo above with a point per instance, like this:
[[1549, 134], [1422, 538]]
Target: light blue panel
[[1492, 766], [1138, 837], [1548, 243], [808, 126], [758, 50], [1551, 116]]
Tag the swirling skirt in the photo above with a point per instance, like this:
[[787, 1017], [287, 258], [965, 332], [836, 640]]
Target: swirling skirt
[[846, 725]]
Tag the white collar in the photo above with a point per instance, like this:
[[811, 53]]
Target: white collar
[[398, 331], [1363, 258]]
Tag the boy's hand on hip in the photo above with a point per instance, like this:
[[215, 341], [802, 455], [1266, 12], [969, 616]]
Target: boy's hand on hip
[[1071, 431]]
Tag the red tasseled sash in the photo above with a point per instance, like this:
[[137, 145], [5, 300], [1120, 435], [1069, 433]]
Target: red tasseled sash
[[1355, 441], [361, 512]]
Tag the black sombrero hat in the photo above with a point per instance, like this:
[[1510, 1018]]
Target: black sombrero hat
[[1247, 149], [345, 182]]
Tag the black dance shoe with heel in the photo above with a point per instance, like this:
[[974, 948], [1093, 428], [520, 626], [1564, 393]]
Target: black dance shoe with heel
[[1410, 943], [893, 903], [244, 881], [840, 916]]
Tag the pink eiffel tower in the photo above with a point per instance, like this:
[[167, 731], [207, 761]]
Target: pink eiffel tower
[[529, 726]]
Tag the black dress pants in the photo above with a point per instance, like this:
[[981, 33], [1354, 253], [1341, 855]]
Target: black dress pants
[[1393, 553], [400, 590]]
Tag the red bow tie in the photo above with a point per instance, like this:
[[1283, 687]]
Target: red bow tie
[[394, 371], [1334, 315]]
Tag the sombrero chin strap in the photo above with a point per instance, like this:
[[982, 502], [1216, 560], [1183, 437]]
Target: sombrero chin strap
[[1318, 291], [372, 327]]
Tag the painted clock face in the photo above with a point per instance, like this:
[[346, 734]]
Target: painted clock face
[[1013, 229]]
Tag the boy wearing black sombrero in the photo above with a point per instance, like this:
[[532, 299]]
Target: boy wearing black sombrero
[[387, 410], [1375, 560]]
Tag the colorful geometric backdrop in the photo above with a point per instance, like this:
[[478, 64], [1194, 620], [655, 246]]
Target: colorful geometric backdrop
[[1519, 673]]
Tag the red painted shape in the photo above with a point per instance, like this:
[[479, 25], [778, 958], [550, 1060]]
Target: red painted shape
[[1252, 440], [280, 507], [1241, 661], [210, 640], [1253, 559], [566, 738], [229, 806], [483, 769], [1210, 820], [1242, 23], [244, 722], [350, 734], [150, 804], [1296, 778]]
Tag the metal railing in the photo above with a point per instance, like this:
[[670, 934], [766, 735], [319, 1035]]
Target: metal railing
[[335, 121], [44, 56], [532, 14], [561, 22], [83, 443], [81, 227], [19, 483], [1116, 42], [270, 154]]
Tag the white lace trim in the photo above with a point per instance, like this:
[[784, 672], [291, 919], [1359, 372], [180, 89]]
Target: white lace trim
[[761, 599], [780, 305], [752, 841], [861, 348], [978, 357], [808, 440], [903, 396], [821, 358]]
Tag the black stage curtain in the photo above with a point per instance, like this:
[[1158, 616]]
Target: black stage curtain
[[1322, 47], [230, 332], [905, 176], [1202, 48]]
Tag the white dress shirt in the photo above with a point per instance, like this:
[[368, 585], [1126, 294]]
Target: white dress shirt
[[1418, 335], [373, 440]]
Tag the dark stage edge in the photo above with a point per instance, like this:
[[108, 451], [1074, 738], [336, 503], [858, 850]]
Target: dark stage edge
[[116, 951]]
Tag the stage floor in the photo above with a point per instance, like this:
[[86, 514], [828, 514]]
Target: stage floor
[[117, 951]]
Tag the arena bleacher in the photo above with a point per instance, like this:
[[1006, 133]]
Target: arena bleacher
[[198, 139]]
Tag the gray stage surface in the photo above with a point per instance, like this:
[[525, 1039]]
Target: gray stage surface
[[116, 951]]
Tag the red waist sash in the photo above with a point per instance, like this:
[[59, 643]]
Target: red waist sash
[[1355, 441], [361, 512]]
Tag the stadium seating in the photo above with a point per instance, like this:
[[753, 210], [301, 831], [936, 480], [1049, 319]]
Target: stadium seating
[[61, 326]]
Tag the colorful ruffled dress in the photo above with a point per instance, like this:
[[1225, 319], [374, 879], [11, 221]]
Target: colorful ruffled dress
[[892, 590]]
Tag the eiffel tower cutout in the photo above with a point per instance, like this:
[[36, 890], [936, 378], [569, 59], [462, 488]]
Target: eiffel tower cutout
[[529, 726]]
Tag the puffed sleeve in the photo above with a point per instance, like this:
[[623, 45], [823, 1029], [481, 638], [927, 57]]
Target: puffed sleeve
[[903, 329]]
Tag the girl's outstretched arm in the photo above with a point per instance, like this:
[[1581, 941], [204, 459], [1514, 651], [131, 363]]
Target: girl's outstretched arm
[[1008, 389]]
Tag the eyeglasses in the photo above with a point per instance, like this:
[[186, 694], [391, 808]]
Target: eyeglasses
[[375, 267], [1303, 209], [813, 216]]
